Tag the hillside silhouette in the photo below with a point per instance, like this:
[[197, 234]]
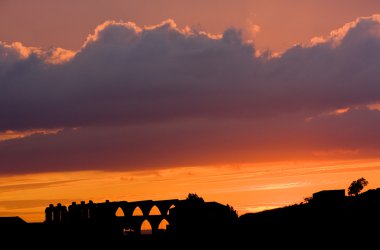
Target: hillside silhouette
[[328, 218]]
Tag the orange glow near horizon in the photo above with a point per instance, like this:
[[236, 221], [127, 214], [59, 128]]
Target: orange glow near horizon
[[248, 188]]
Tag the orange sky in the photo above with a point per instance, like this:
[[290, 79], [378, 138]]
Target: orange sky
[[248, 188], [215, 118]]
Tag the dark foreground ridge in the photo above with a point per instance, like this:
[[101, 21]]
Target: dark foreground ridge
[[328, 219]]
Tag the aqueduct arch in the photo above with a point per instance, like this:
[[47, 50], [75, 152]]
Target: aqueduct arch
[[123, 213], [154, 212]]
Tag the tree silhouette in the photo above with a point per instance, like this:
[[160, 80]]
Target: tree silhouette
[[357, 186]]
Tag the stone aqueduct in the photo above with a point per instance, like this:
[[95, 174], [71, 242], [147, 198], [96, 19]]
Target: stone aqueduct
[[109, 212]]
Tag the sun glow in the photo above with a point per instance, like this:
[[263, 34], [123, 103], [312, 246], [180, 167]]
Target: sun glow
[[248, 188]]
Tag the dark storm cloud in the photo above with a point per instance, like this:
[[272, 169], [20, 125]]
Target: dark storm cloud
[[162, 96], [125, 75]]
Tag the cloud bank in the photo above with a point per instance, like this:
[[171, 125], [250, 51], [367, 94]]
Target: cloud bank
[[161, 96]]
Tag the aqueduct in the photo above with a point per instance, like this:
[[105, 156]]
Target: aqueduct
[[131, 219]]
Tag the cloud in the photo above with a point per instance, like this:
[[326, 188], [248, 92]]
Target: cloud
[[125, 75], [165, 96], [11, 135], [27, 186], [22, 204], [194, 143], [251, 30]]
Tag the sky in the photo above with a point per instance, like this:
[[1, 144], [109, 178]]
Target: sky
[[256, 104]]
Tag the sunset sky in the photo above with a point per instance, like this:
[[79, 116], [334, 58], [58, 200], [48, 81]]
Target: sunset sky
[[252, 103]]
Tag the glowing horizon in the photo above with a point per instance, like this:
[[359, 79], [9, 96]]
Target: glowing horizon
[[248, 188]]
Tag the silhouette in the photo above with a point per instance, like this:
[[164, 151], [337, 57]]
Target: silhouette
[[11, 221], [328, 198], [194, 198], [357, 186], [328, 217]]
